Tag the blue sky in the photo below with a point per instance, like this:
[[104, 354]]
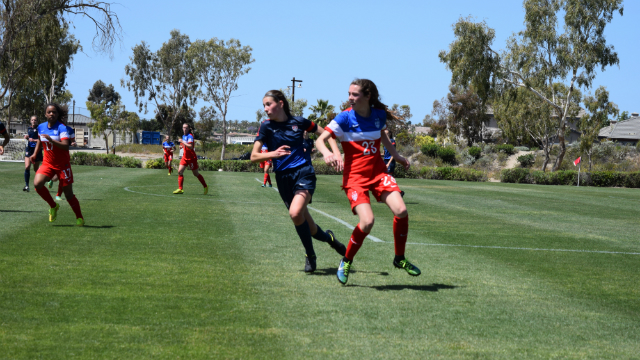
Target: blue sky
[[329, 43]]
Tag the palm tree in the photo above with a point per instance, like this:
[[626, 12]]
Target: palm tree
[[322, 111]]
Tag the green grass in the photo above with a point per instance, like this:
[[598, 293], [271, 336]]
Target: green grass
[[155, 275]]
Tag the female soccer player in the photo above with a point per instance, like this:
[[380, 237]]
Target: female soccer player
[[296, 178], [360, 130], [168, 147], [32, 137], [265, 165], [72, 142], [54, 137], [189, 159]]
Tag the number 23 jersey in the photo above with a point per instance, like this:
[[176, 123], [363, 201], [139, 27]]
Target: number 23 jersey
[[360, 139]]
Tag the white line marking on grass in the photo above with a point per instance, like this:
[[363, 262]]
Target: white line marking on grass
[[528, 249], [349, 226]]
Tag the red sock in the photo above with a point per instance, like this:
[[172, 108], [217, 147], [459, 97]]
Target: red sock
[[204, 183], [357, 238], [400, 230], [59, 193], [269, 178], [180, 181], [44, 193], [75, 206], [266, 177]]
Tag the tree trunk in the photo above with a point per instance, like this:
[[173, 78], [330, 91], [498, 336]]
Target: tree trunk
[[563, 147], [106, 141], [224, 136]]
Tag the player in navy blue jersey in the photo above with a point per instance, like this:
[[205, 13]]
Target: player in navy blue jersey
[[295, 176], [32, 139], [4, 134]]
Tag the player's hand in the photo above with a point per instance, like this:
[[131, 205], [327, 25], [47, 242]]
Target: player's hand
[[282, 151], [74, 144], [26, 137], [1, 150], [334, 161], [404, 162], [32, 158], [47, 137]]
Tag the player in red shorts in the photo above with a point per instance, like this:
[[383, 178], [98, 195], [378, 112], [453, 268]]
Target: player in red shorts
[[54, 138], [189, 159], [168, 147], [265, 165], [361, 130]]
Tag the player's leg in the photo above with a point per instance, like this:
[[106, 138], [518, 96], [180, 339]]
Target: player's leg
[[42, 176], [181, 169], [197, 174], [394, 201], [27, 171], [53, 179], [72, 200], [267, 166], [60, 190], [361, 206], [297, 210], [324, 236]]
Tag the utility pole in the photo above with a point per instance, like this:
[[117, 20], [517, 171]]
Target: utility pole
[[74, 115], [293, 89]]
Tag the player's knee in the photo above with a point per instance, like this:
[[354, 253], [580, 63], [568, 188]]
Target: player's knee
[[401, 212], [366, 224], [297, 215]]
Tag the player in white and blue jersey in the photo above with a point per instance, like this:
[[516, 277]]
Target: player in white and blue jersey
[[282, 134], [168, 147], [32, 139]]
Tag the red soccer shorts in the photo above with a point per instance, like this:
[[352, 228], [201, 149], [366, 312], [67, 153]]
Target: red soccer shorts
[[262, 164], [168, 157], [360, 195], [191, 164], [64, 175]]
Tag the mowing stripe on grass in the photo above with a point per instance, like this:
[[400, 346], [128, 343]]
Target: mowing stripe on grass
[[178, 197], [528, 249]]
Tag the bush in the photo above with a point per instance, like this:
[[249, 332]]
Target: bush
[[110, 160], [526, 160], [505, 148], [447, 155], [451, 173], [521, 148], [475, 151], [430, 149], [517, 176], [570, 177], [422, 140]]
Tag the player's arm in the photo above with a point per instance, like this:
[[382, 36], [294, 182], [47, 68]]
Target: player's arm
[[35, 151], [257, 156], [190, 146], [331, 157], [62, 144], [394, 153]]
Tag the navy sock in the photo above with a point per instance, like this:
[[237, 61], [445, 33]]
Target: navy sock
[[27, 175], [321, 235], [305, 237]]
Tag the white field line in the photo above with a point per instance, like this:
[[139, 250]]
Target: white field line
[[351, 227]]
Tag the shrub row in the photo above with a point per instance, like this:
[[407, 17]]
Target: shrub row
[[570, 177], [441, 173], [110, 160], [447, 154]]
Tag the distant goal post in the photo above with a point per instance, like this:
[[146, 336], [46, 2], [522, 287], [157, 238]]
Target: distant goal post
[[14, 151]]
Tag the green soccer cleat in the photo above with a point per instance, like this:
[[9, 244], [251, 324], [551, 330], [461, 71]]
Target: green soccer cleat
[[179, 191], [309, 263], [263, 185], [79, 222], [343, 271], [409, 267], [50, 184], [169, 174], [58, 198], [336, 245], [206, 190], [53, 213], [269, 185]]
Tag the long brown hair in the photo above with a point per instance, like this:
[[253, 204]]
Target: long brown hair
[[277, 95], [369, 88]]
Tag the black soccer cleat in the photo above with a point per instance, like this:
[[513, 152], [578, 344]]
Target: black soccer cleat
[[309, 263], [26, 188], [336, 245]]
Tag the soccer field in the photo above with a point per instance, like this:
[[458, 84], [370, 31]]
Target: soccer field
[[508, 271]]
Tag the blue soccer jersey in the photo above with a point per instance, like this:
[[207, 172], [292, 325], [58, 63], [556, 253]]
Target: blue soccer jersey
[[275, 134], [32, 133], [387, 154]]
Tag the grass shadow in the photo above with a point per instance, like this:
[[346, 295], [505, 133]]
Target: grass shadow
[[333, 271], [17, 211], [89, 226], [432, 287]]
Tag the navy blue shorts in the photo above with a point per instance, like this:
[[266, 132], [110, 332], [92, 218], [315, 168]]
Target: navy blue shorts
[[392, 167], [28, 151], [291, 180]]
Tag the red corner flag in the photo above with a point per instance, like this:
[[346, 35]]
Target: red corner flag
[[575, 163]]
